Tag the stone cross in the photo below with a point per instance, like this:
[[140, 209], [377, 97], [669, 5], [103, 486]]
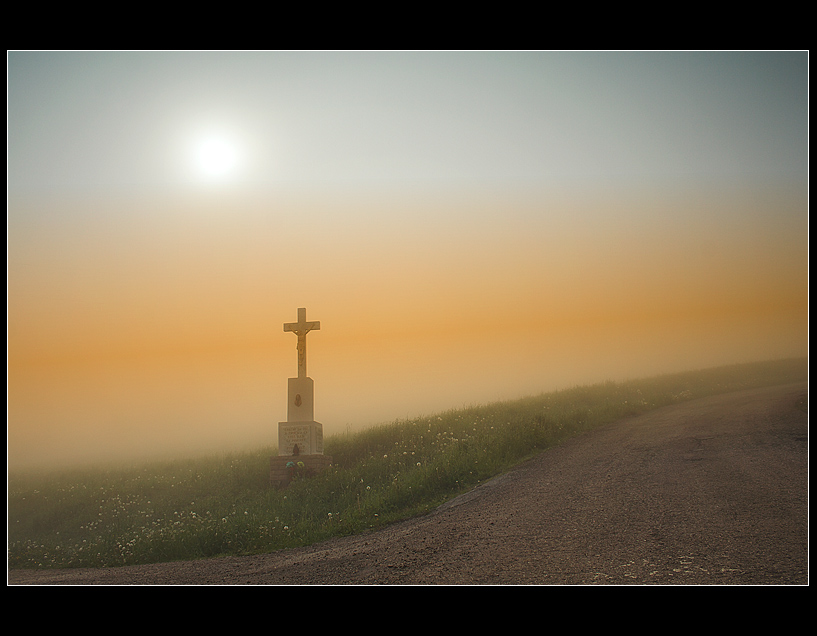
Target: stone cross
[[300, 438], [300, 329]]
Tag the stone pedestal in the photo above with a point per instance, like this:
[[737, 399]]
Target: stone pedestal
[[300, 400], [300, 452], [300, 438]]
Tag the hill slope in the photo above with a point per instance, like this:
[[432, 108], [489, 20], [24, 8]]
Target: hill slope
[[711, 491]]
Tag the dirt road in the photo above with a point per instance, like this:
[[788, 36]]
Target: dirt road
[[706, 492]]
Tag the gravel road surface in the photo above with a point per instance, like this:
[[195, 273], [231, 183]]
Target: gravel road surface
[[709, 492]]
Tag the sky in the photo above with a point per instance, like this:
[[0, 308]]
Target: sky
[[466, 226]]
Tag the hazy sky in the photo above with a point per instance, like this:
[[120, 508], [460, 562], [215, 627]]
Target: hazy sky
[[467, 226]]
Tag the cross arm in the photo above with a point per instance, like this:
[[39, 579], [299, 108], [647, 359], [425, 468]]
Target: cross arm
[[302, 327]]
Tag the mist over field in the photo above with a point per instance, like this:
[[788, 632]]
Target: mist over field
[[467, 227]]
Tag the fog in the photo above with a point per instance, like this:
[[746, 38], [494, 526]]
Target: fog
[[125, 343], [546, 220]]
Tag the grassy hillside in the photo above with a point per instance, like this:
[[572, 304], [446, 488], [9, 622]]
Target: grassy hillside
[[223, 505]]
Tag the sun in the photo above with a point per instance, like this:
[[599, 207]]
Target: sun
[[216, 157]]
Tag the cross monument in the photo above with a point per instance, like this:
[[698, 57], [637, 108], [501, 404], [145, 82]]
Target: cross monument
[[300, 438]]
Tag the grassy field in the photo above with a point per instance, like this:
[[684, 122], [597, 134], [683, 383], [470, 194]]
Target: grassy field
[[224, 505]]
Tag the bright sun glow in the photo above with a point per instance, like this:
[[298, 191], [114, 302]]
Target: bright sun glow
[[216, 157]]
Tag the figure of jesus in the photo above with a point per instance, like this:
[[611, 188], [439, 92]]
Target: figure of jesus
[[300, 329]]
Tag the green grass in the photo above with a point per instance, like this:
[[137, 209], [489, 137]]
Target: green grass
[[223, 505]]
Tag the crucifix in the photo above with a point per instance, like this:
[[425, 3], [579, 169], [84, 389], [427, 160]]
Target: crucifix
[[300, 329], [300, 438]]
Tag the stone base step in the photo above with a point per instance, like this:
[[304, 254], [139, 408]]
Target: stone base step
[[286, 468]]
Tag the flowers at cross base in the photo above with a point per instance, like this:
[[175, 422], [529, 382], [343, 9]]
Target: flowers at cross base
[[298, 469]]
